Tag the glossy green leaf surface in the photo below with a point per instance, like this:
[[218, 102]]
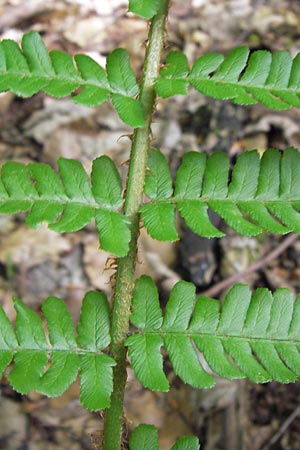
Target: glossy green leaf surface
[[173, 76], [30, 69], [242, 77], [51, 367], [187, 443], [144, 8], [259, 194], [69, 201], [253, 335], [145, 437]]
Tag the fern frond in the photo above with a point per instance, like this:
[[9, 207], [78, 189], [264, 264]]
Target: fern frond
[[254, 335], [263, 194], [68, 203], [145, 437], [31, 69], [50, 367], [244, 78]]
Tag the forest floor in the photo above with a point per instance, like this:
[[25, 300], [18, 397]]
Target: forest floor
[[37, 263]]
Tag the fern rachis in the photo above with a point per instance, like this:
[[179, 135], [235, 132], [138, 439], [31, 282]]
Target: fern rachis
[[253, 335]]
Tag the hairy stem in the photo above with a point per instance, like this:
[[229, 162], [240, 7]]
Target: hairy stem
[[113, 423]]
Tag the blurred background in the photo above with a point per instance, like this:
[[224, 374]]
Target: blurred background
[[36, 263]]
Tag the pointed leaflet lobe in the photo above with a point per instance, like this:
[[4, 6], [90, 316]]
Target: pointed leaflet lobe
[[216, 176], [113, 227], [93, 328], [159, 218], [189, 179], [158, 183], [114, 232], [76, 185], [97, 89], [204, 66], [29, 364], [16, 76], [144, 350], [36, 54], [96, 382], [173, 76], [187, 443], [243, 186], [106, 183], [120, 74], [129, 109], [189, 175], [67, 79], [125, 88], [233, 65], [258, 68], [15, 178], [64, 364], [179, 307], [75, 180], [205, 320], [178, 313], [146, 308], [147, 361]]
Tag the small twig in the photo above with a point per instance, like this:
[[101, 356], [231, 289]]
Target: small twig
[[284, 426], [252, 268]]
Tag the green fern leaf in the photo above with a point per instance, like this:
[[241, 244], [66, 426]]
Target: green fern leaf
[[146, 316], [148, 313], [97, 89], [253, 335], [144, 8], [186, 443], [8, 341], [64, 364], [68, 203], [145, 437], [106, 181], [159, 218], [158, 181], [261, 194], [147, 361], [123, 83], [120, 74], [30, 69], [32, 353], [173, 76], [68, 79], [93, 335], [244, 78]]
